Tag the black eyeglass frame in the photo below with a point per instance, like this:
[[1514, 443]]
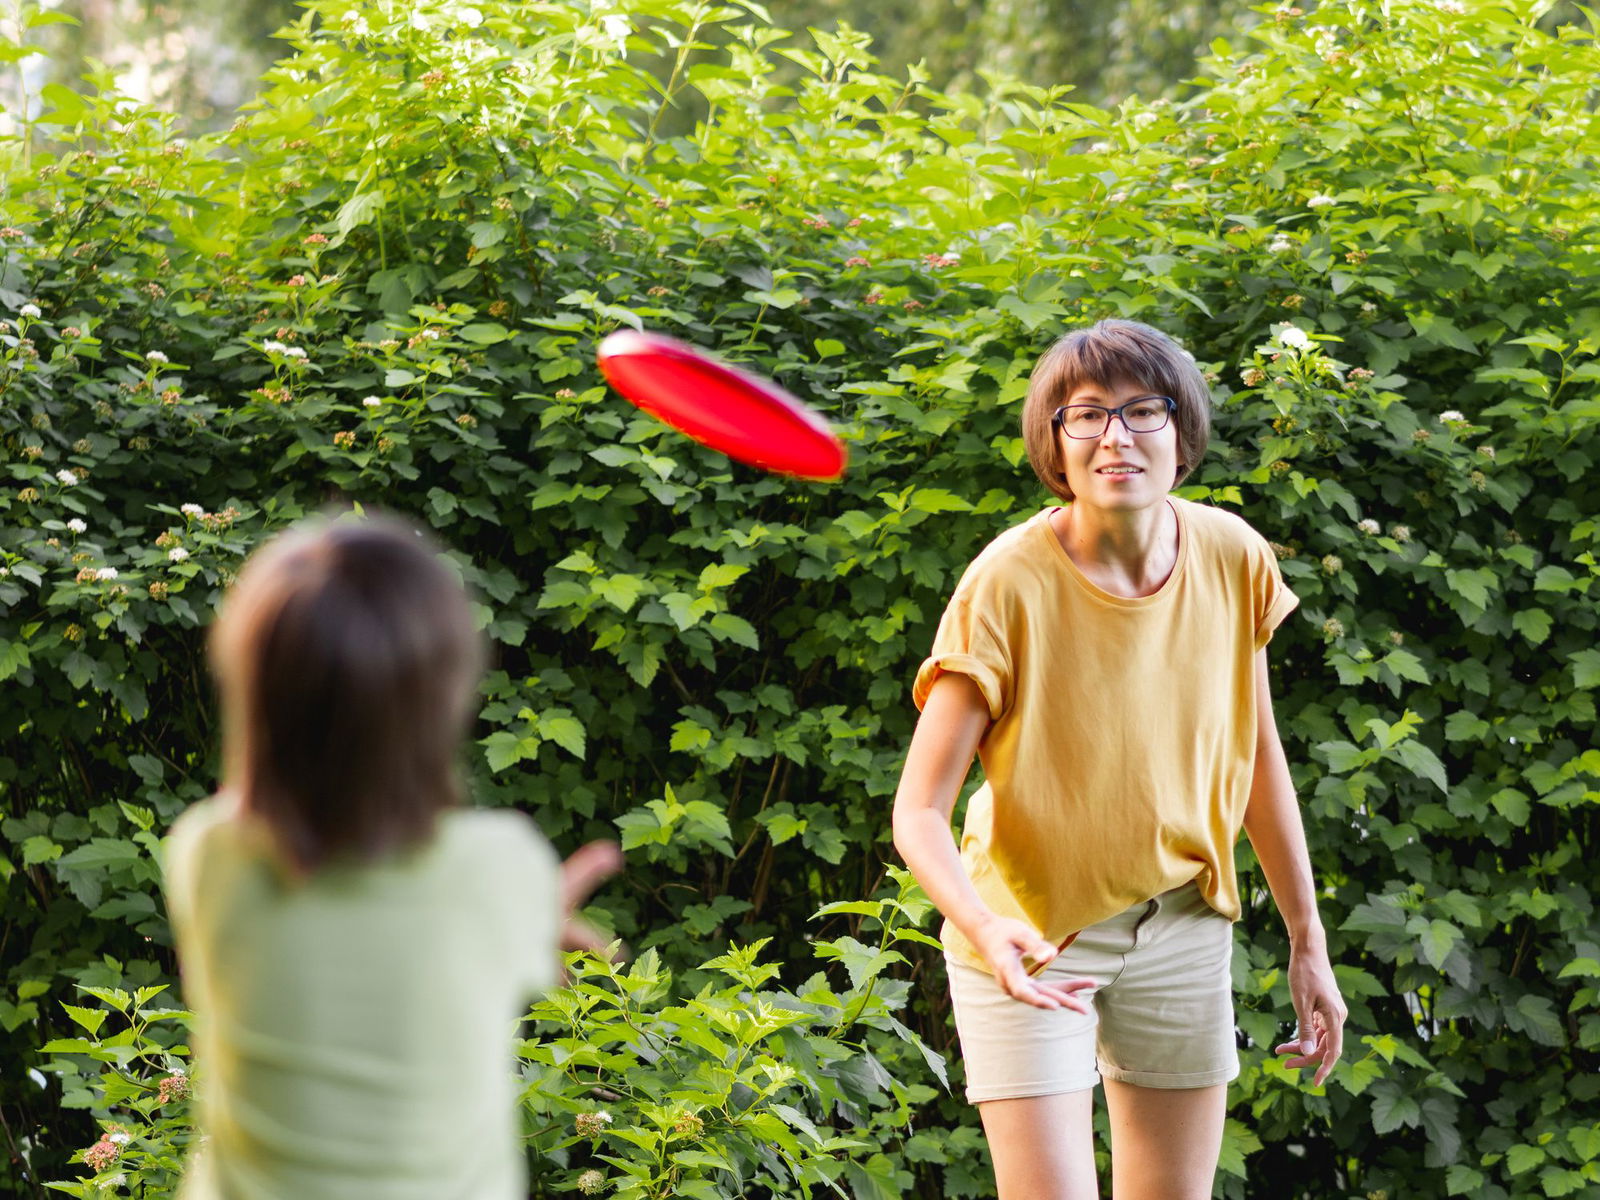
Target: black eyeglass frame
[[1059, 422]]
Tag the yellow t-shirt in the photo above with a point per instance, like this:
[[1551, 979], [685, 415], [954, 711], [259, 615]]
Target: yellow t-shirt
[[1122, 739]]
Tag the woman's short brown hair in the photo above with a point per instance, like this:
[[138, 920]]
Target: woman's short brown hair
[[1108, 353], [347, 660]]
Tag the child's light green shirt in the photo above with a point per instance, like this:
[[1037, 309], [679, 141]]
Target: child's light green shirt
[[353, 1030]]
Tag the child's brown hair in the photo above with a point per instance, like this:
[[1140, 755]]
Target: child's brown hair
[[348, 660]]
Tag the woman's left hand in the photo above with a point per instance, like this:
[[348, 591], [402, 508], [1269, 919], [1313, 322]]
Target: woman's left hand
[[1320, 1013]]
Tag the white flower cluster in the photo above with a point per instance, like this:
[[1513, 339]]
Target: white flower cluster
[[105, 574], [29, 310], [372, 402], [67, 478], [1450, 416], [177, 554], [1369, 527], [1322, 201], [77, 525], [286, 351], [1292, 337], [157, 357], [1280, 244], [191, 510]]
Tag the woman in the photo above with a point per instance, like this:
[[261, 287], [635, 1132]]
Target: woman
[[1106, 660]]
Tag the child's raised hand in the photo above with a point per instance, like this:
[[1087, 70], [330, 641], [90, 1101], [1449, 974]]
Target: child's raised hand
[[581, 874]]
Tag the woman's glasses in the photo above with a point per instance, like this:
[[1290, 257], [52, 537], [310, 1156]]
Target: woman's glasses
[[1144, 415]]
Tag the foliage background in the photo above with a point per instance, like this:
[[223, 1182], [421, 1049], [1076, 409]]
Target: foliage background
[[200, 58], [716, 663]]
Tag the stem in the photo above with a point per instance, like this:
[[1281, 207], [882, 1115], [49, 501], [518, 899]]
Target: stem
[[23, 126], [883, 944]]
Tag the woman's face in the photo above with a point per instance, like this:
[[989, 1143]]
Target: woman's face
[[1117, 469]]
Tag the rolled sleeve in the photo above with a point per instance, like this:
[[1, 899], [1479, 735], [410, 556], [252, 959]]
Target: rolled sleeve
[[1273, 601], [967, 646]]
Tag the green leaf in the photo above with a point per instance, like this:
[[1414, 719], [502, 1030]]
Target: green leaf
[[862, 962], [1031, 314], [1392, 1109], [1439, 938], [937, 500], [690, 737], [503, 749], [1238, 1143], [734, 629], [1523, 1158], [720, 575], [357, 211], [861, 908], [1585, 667], [1512, 805], [1536, 1016], [487, 233], [487, 333], [1424, 763], [101, 853], [1532, 623], [781, 826], [1406, 665], [39, 849], [90, 1018], [1342, 757], [1470, 585], [564, 730], [620, 591], [1561, 1181]]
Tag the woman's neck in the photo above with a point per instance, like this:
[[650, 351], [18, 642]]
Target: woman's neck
[[1128, 552]]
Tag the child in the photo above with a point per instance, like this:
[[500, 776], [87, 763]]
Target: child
[[356, 947], [1107, 661]]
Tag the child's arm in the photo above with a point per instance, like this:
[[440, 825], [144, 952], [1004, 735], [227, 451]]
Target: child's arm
[[953, 722], [583, 871], [1276, 834]]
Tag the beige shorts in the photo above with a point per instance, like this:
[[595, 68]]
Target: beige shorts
[[1160, 1016]]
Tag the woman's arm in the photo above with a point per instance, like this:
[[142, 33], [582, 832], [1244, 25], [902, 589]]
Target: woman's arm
[[1273, 824], [953, 722]]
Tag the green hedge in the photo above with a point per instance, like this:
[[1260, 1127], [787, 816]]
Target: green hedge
[[444, 211]]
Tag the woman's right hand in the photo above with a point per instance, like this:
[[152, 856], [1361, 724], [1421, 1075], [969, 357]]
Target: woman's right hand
[[1003, 942]]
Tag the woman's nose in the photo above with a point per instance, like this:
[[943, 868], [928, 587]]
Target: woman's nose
[[1117, 432]]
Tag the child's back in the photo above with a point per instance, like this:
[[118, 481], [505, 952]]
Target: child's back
[[354, 1026], [356, 948]]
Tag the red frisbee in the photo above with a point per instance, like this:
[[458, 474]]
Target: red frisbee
[[742, 415]]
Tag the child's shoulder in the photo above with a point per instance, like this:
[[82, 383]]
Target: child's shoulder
[[210, 840], [202, 822], [503, 833]]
